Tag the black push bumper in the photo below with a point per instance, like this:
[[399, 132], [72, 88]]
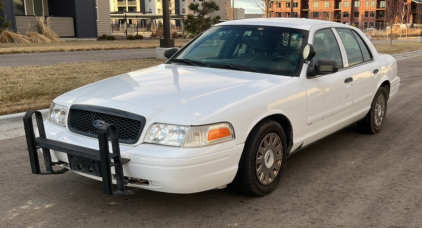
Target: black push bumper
[[81, 159]]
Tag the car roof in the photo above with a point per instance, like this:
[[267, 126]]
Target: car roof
[[299, 23]]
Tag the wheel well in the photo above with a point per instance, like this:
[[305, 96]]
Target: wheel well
[[386, 85], [285, 124]]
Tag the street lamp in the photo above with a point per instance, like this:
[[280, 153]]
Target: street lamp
[[137, 25], [166, 42]]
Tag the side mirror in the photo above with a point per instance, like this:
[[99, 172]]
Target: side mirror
[[308, 52], [170, 52], [322, 66]]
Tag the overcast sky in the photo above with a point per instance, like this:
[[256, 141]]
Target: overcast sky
[[247, 5]]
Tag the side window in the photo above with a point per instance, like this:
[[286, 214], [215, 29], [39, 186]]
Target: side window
[[326, 47], [354, 54], [367, 56]]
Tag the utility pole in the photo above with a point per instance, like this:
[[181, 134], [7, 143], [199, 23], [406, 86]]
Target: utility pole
[[166, 42], [291, 8], [233, 10]]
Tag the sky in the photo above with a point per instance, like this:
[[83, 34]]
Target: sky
[[247, 5]]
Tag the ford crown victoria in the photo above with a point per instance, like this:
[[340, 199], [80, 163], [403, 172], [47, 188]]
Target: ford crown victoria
[[227, 108]]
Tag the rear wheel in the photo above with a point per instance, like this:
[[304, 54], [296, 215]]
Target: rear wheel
[[373, 121], [262, 161]]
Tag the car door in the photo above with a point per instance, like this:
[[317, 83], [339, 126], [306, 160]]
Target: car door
[[363, 70], [330, 95]]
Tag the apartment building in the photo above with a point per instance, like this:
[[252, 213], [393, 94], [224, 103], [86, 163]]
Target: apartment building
[[362, 14], [68, 18]]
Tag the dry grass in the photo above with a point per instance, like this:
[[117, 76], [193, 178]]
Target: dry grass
[[8, 36], [34, 87], [46, 31], [37, 38], [84, 46], [398, 47]]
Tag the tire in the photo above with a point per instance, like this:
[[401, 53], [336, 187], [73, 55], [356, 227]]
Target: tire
[[265, 151], [373, 121]]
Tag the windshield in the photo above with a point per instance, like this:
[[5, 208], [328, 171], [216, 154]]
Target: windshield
[[262, 49]]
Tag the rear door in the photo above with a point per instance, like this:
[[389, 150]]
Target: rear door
[[363, 70]]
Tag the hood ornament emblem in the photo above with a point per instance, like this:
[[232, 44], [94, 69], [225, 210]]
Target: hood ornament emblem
[[98, 123]]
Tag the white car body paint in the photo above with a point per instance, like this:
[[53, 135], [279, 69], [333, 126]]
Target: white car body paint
[[189, 95]]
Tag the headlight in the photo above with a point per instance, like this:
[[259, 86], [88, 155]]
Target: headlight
[[57, 114], [193, 136]]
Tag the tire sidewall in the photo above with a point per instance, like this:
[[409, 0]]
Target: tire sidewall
[[252, 150], [374, 127]]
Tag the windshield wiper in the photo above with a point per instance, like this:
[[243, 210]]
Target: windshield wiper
[[191, 62], [235, 67]]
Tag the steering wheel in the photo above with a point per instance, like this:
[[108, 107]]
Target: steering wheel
[[284, 58]]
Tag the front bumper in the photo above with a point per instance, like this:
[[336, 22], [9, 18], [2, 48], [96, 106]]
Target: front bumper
[[159, 168]]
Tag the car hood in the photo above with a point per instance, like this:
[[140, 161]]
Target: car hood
[[176, 89]]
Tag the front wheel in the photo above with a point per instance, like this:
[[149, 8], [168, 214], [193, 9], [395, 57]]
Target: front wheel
[[373, 121], [262, 161]]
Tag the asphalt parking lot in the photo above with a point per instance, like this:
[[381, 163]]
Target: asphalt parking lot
[[346, 180]]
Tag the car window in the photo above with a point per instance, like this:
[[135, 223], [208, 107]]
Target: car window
[[326, 47], [262, 49], [354, 54], [367, 56]]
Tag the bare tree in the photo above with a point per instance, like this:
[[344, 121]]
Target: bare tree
[[264, 5], [327, 16], [229, 10]]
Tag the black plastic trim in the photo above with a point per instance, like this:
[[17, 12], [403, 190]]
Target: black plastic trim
[[108, 111]]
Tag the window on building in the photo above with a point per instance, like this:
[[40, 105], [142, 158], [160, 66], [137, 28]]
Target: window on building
[[366, 13], [345, 14], [287, 14], [96, 10], [278, 14], [19, 7], [278, 5], [315, 14], [357, 4], [295, 5], [131, 9], [316, 4], [287, 4], [326, 4], [365, 25], [159, 11], [382, 4], [346, 4], [381, 14], [356, 14], [372, 14], [295, 14], [121, 9], [371, 24], [373, 3]]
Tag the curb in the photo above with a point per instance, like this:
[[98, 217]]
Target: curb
[[13, 121], [407, 55]]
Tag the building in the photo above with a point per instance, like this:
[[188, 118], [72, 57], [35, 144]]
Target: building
[[254, 15], [239, 13], [362, 14], [69, 18]]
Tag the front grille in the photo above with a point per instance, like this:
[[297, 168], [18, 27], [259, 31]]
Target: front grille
[[129, 126]]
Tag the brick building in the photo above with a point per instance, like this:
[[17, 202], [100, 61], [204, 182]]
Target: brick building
[[363, 14]]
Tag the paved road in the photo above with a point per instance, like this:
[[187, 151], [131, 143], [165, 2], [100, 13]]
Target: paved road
[[74, 56], [346, 180]]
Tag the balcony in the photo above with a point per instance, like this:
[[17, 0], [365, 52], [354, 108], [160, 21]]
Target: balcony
[[129, 3]]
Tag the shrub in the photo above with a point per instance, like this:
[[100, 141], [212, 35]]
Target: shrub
[[139, 37], [174, 35], [102, 37], [111, 38], [180, 36], [130, 37]]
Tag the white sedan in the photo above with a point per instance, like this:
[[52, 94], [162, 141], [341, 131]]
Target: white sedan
[[227, 108]]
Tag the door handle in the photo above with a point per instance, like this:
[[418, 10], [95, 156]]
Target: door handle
[[375, 71], [347, 80]]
